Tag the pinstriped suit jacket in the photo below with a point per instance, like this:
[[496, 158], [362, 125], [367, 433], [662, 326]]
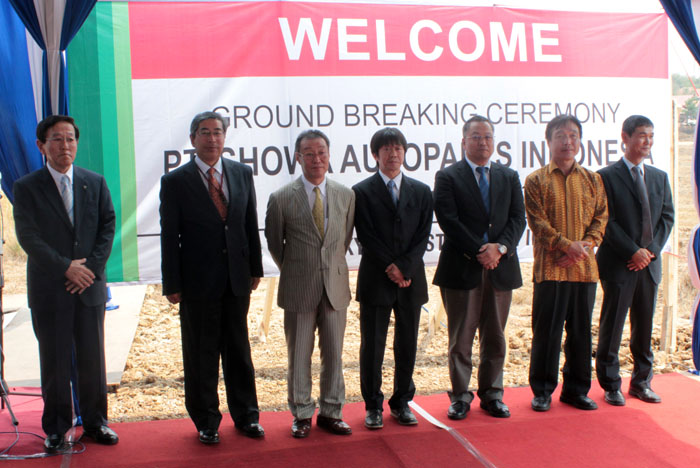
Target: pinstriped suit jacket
[[308, 264]]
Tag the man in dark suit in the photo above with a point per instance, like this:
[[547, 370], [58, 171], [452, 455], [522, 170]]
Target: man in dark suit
[[629, 260], [211, 260], [393, 216], [65, 222], [479, 206]]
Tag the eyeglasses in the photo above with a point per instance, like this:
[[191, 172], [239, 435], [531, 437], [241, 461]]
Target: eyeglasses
[[322, 155], [562, 138], [58, 139], [205, 132], [478, 138]]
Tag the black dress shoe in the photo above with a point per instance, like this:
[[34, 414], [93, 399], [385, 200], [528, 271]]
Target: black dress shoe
[[496, 408], [541, 403], [614, 397], [578, 401], [301, 428], [374, 419], [646, 394], [404, 416], [102, 435], [333, 425], [54, 442], [458, 410], [209, 436], [252, 430]]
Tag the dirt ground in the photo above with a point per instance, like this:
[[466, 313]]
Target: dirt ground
[[152, 384]]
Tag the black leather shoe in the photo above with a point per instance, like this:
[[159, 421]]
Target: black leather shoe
[[301, 428], [541, 403], [615, 398], [578, 401], [209, 436], [496, 408], [374, 419], [458, 410], [252, 430], [54, 442], [647, 395], [102, 435], [333, 425], [404, 416]]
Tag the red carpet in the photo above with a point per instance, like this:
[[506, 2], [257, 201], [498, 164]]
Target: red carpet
[[637, 435]]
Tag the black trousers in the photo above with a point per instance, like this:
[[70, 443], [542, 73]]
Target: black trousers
[[57, 330], [559, 305], [374, 324], [638, 295], [213, 330]]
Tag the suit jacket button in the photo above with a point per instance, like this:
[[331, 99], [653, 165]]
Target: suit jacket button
[[75, 243], [224, 251], [398, 220], [225, 228]]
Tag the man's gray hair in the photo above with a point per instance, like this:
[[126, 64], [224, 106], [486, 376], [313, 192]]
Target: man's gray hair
[[202, 116]]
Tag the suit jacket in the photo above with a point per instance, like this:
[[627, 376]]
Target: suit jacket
[[199, 250], [45, 232], [624, 230], [392, 234], [462, 216], [308, 264]]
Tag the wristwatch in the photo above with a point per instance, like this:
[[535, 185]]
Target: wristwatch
[[502, 249]]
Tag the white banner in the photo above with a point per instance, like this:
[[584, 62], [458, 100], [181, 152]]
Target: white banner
[[266, 114]]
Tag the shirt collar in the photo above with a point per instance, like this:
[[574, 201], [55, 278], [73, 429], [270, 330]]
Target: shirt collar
[[204, 167], [552, 166], [56, 176], [397, 179], [630, 165], [310, 187], [473, 165]]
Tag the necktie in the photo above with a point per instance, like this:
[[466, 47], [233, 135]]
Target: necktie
[[647, 235], [216, 194], [484, 187], [317, 212], [67, 196], [391, 186]]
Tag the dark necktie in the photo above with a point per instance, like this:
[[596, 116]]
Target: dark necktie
[[390, 185], [647, 235], [484, 187], [216, 194]]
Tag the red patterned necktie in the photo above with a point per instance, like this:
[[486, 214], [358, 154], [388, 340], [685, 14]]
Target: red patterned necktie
[[216, 194]]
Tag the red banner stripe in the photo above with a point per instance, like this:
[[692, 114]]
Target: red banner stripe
[[199, 40]]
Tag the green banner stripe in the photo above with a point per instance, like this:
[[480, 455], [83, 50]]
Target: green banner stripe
[[125, 124], [101, 101], [107, 100], [84, 89]]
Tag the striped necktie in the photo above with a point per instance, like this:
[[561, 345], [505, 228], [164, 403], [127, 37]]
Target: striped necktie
[[317, 212], [216, 194]]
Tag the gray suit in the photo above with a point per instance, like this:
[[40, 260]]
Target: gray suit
[[313, 291]]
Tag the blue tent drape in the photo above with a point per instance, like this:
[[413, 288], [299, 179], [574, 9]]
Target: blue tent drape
[[18, 153], [74, 15], [681, 14]]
